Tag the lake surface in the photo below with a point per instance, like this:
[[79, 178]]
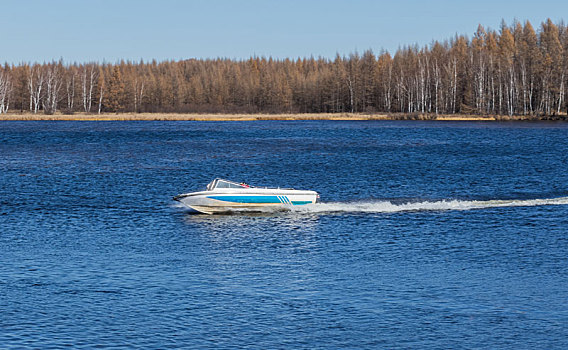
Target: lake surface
[[431, 235]]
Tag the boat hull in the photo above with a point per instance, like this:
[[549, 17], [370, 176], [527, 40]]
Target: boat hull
[[211, 202]]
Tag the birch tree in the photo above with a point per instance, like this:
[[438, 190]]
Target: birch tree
[[507, 50], [5, 91], [52, 88], [138, 93], [70, 88], [101, 90], [551, 76], [36, 80], [89, 74], [479, 67]]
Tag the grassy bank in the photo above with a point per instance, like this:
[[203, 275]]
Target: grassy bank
[[248, 117]]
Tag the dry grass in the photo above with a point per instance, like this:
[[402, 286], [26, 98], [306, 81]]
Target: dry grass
[[178, 116], [248, 117]]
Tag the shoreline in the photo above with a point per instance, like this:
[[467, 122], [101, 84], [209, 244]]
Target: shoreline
[[253, 117]]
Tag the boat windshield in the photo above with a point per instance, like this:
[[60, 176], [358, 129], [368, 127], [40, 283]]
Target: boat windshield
[[219, 183]]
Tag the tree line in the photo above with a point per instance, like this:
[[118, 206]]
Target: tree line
[[515, 70]]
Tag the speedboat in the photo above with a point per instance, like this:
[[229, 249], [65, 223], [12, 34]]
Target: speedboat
[[226, 196]]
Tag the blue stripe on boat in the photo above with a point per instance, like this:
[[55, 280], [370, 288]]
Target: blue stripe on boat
[[301, 202], [247, 199]]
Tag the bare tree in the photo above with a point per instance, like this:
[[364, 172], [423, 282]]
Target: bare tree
[[101, 86], [138, 93], [88, 81], [52, 88], [70, 88], [36, 80], [5, 91]]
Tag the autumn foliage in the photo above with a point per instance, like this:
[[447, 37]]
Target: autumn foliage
[[515, 70]]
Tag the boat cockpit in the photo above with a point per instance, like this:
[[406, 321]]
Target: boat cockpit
[[220, 183]]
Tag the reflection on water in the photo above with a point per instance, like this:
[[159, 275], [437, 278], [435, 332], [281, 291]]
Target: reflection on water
[[237, 221]]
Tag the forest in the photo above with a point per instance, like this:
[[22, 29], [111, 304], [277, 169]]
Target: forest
[[516, 70]]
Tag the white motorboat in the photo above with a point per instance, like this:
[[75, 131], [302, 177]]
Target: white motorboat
[[226, 196]]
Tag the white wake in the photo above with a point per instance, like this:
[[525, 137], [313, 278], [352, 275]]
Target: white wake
[[389, 207]]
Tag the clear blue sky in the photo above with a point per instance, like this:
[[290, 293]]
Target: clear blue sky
[[110, 30]]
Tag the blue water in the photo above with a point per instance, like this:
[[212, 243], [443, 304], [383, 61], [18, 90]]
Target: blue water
[[431, 235]]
